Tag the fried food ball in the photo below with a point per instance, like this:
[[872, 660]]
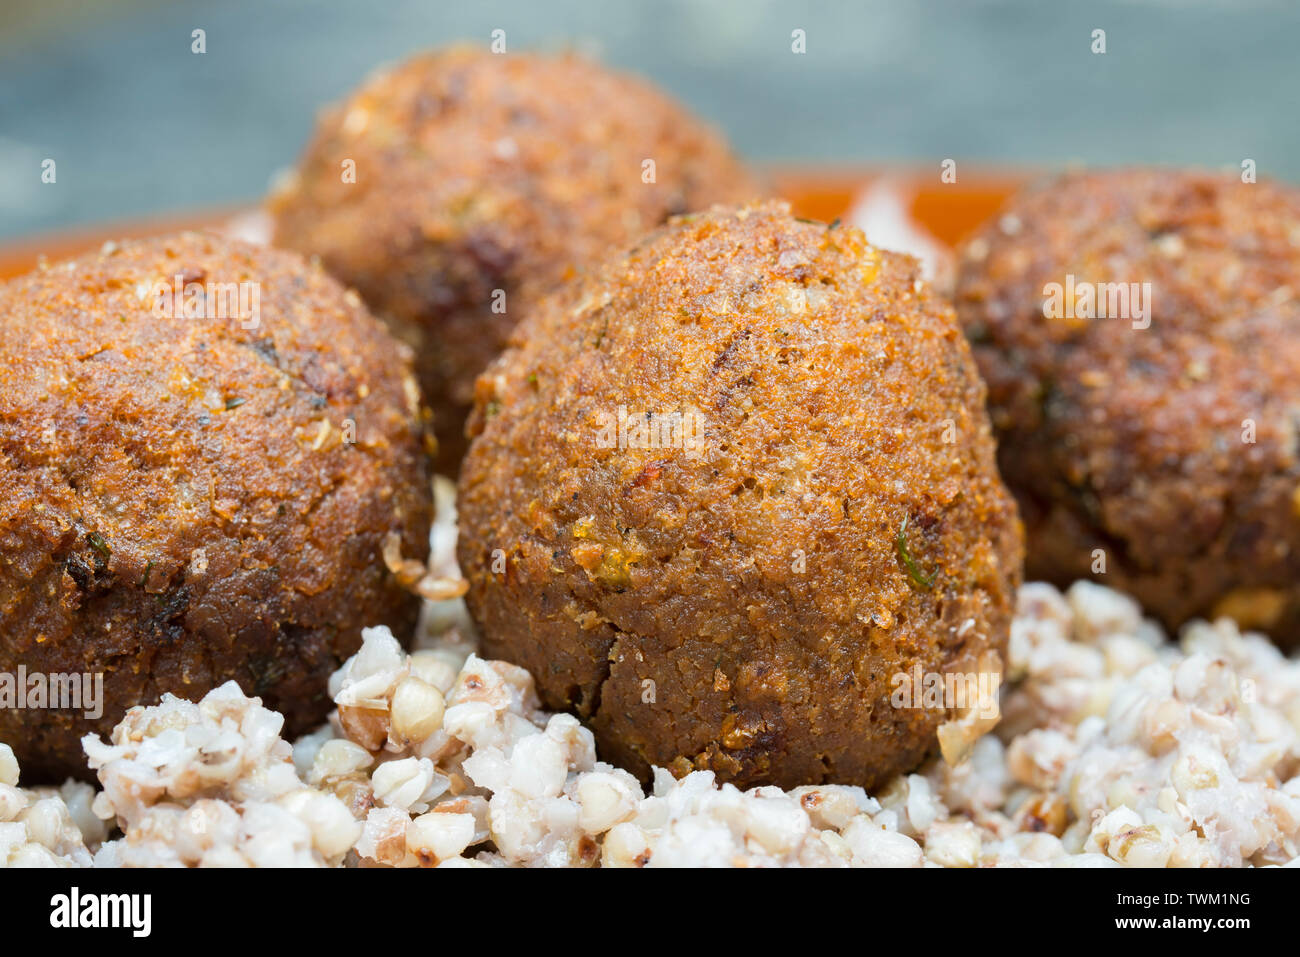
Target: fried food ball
[[1156, 449], [727, 489], [481, 181], [196, 489]]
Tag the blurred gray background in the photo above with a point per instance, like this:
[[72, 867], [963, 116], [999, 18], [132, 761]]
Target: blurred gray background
[[138, 124]]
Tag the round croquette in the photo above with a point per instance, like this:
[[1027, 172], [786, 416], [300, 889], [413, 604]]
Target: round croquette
[[196, 489], [481, 181], [1156, 449], [727, 489]]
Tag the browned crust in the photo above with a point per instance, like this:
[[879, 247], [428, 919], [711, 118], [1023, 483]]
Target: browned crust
[[825, 372], [478, 172], [1131, 440], [129, 441]]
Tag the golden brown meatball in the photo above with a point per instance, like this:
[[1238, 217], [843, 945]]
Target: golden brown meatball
[[1158, 446], [727, 488], [188, 500], [481, 181]]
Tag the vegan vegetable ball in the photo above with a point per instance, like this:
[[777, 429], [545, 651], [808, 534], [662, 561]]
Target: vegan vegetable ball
[[455, 189], [730, 486], [1153, 445], [203, 445]]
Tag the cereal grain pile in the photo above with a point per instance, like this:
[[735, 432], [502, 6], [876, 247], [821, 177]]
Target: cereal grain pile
[[1116, 746]]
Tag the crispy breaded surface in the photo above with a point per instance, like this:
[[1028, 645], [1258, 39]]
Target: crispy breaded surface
[[477, 172], [181, 501], [745, 603], [1167, 442]]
